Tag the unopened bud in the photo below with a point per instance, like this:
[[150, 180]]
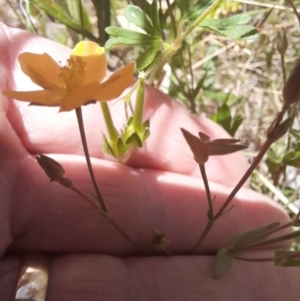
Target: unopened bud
[[291, 89], [53, 170], [282, 42]]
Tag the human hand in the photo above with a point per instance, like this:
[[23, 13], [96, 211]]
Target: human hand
[[158, 189]]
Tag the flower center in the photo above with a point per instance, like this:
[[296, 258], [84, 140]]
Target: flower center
[[72, 75]]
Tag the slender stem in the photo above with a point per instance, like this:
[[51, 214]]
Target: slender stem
[[88, 159], [248, 173], [143, 250], [242, 181], [210, 223], [291, 3], [205, 232], [96, 205], [266, 259], [113, 223], [207, 190]]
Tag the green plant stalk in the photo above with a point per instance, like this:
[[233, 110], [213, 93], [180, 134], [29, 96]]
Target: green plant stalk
[[88, 159], [172, 49], [112, 132], [139, 106]]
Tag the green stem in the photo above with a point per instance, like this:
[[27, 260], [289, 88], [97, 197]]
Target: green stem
[[88, 159], [139, 105]]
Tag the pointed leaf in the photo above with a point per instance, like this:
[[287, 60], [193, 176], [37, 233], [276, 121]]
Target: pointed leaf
[[238, 120], [204, 137], [128, 37], [251, 235], [146, 58], [226, 22], [154, 15], [216, 149], [134, 140], [197, 146]]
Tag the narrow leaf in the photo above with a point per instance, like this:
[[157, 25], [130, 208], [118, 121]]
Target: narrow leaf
[[251, 235], [154, 15], [197, 146], [146, 58]]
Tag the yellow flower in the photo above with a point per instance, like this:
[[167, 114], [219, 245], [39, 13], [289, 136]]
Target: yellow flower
[[76, 83]]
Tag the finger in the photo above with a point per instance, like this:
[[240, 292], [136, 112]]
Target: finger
[[49, 217], [97, 277], [166, 149]]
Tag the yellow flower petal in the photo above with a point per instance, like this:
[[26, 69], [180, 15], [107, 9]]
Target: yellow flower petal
[[79, 96], [116, 84], [95, 61], [42, 69], [45, 97]]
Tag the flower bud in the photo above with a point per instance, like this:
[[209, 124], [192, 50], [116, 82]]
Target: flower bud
[[291, 89], [53, 170]]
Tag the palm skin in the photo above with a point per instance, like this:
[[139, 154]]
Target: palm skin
[[159, 189]]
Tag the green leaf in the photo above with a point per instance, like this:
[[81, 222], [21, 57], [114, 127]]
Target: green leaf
[[154, 16], [245, 32], [292, 158], [143, 4], [222, 263], [223, 117], [134, 140], [128, 37], [232, 27], [226, 22], [146, 58], [252, 236], [238, 120], [135, 15]]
